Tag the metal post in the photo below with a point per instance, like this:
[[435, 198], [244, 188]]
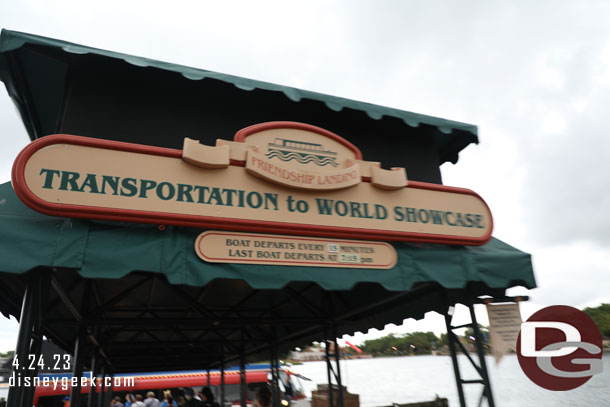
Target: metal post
[[242, 377], [329, 368], [275, 391], [35, 353], [24, 339], [100, 398], [79, 354], [276, 363], [41, 281], [92, 388], [111, 387], [222, 379], [338, 373], [276, 382], [208, 379], [456, 366], [272, 370], [481, 353]]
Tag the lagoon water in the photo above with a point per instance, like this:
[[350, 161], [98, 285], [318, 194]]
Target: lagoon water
[[383, 381]]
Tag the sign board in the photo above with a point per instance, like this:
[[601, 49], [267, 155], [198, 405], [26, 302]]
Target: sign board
[[280, 177], [250, 248], [504, 326]]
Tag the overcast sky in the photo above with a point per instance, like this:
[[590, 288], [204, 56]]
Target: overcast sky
[[533, 75]]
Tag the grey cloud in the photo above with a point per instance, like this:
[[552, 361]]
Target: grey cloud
[[566, 190]]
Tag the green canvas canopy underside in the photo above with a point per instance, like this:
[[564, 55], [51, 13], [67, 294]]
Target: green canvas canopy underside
[[111, 250]]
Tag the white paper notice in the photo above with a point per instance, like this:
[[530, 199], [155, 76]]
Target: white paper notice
[[504, 326]]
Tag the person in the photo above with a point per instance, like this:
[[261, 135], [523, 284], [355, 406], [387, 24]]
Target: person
[[138, 402], [263, 397], [129, 400], [2, 402], [191, 401], [151, 400], [116, 402], [208, 398], [168, 400]]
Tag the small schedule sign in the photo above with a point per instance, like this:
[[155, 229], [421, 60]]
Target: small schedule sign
[[253, 248]]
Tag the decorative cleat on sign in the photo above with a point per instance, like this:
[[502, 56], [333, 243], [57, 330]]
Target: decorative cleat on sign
[[205, 156], [277, 177]]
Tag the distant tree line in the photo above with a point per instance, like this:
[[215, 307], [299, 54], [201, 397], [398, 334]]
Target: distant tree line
[[601, 316], [416, 343], [423, 343]]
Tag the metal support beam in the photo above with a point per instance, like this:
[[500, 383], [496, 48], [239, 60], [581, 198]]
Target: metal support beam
[[456, 367], [222, 378], [330, 339], [30, 327], [275, 389], [312, 308], [23, 345], [111, 388], [100, 398], [79, 354], [390, 300], [192, 302], [225, 323], [41, 280], [93, 389], [338, 372], [482, 364], [242, 376], [481, 368], [128, 291], [329, 368], [65, 298], [35, 353]]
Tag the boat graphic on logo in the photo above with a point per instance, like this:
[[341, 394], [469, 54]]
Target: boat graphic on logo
[[303, 152]]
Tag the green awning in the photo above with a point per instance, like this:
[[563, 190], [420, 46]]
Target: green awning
[[34, 70], [147, 294], [143, 291], [112, 250]]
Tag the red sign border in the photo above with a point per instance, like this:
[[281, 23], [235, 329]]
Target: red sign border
[[129, 215]]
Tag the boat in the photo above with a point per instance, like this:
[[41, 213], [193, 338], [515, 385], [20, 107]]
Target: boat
[[303, 152], [51, 388]]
